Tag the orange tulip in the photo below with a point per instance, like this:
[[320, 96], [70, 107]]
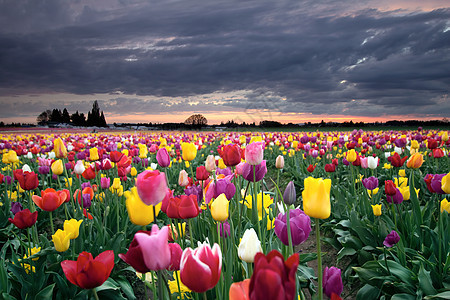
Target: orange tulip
[[239, 290], [50, 199], [415, 161]]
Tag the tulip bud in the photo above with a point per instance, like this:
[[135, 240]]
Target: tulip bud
[[183, 178], [210, 163], [279, 162], [219, 208], [79, 167], [289, 196], [57, 167], [249, 246]]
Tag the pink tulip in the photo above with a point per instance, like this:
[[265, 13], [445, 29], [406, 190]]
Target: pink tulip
[[254, 153], [175, 256], [155, 248], [151, 186], [183, 178], [163, 158], [200, 268]]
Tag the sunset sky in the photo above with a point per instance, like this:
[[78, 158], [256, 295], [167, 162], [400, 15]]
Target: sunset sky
[[288, 61]]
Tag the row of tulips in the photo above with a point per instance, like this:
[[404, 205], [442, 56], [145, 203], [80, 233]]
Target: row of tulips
[[220, 226]]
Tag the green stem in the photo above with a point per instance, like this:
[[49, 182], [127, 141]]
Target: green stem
[[51, 222], [385, 260], [319, 260], [95, 294], [288, 224], [191, 233]]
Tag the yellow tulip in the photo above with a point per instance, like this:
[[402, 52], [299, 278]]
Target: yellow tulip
[[415, 145], [59, 148], [402, 173], [387, 166], [93, 154], [140, 214], [143, 151], [219, 208], [116, 184], [445, 183], [415, 161], [376, 209], [33, 251], [133, 171], [316, 197], [61, 239], [445, 136], [189, 151], [445, 205], [68, 181], [72, 227], [401, 182], [372, 192], [351, 155], [221, 164], [405, 192], [57, 167]]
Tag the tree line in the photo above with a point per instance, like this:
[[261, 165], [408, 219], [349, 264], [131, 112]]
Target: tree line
[[95, 117]]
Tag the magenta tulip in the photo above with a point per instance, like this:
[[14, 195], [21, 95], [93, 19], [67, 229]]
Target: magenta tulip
[[155, 248], [151, 186]]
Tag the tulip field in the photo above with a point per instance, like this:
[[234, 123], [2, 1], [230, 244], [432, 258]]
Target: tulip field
[[225, 215]]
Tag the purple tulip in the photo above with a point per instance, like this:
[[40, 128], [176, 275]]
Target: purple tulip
[[400, 142], [259, 170], [332, 281], [221, 186], [391, 239], [289, 195], [163, 158], [81, 155], [396, 199], [436, 182], [9, 180], [370, 183], [345, 161], [105, 182], [44, 170], [136, 160], [304, 139], [16, 207], [85, 185], [225, 229], [300, 227], [195, 190], [227, 171], [86, 200], [68, 166]]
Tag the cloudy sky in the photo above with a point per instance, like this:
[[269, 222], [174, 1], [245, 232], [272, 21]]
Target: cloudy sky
[[290, 61]]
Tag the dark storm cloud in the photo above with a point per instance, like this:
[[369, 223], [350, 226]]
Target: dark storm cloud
[[290, 56]]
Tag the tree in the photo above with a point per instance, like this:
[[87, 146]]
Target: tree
[[44, 117], [56, 116], [196, 121], [65, 116], [78, 119], [96, 117]]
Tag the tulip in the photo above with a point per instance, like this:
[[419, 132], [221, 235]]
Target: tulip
[[105, 183], [415, 144], [445, 184], [89, 173], [316, 197], [139, 213], [254, 153], [219, 208], [330, 168], [201, 173], [27, 180], [59, 148], [351, 155], [445, 205], [61, 240], [151, 187], [16, 207], [183, 207], [254, 172], [155, 248], [438, 153], [106, 164], [391, 239], [200, 268], [115, 156], [249, 246], [24, 219], [376, 210], [231, 154], [415, 161], [72, 227], [57, 167], [87, 272], [289, 195], [396, 160], [210, 163], [93, 154], [189, 151], [175, 257], [300, 227], [183, 178], [311, 168], [372, 162], [134, 257], [370, 183], [225, 229], [163, 158], [332, 281], [389, 188], [50, 199], [436, 183], [79, 167], [220, 186], [279, 162], [397, 198], [273, 277], [240, 290]]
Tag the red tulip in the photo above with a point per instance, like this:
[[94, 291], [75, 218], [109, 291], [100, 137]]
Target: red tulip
[[183, 207], [330, 168], [50, 199], [134, 257], [87, 272], [273, 278], [24, 219], [200, 268], [389, 188], [239, 290], [311, 168], [124, 162], [27, 180], [151, 186], [438, 153], [115, 156], [89, 173], [396, 160], [201, 173], [432, 144], [231, 154], [175, 257]]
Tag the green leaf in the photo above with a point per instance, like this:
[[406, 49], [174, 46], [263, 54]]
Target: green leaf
[[368, 292], [401, 272], [444, 295], [108, 285], [305, 257], [403, 297], [46, 293], [425, 281], [345, 252], [126, 288]]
